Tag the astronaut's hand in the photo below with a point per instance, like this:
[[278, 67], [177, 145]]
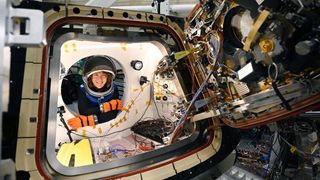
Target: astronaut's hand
[[114, 104], [81, 121]]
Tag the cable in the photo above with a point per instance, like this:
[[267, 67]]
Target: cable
[[152, 93], [296, 149], [133, 101], [105, 135]]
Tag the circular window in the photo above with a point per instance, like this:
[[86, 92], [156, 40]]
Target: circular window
[[73, 82]]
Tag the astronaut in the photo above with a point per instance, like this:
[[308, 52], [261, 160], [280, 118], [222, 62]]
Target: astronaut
[[98, 96]]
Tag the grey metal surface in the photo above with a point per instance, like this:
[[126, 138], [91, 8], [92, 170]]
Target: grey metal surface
[[289, 92], [3, 7], [176, 8], [7, 169], [34, 27], [237, 173], [120, 2]]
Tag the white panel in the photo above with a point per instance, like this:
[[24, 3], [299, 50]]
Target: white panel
[[25, 154], [206, 153], [162, 172], [34, 55], [133, 177], [5, 79], [28, 118], [186, 163], [35, 175], [31, 81], [85, 12], [216, 142], [135, 98]]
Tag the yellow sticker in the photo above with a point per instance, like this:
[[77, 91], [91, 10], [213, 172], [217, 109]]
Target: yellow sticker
[[123, 46], [74, 46], [100, 130], [124, 118], [84, 133], [117, 124], [293, 149], [65, 48]]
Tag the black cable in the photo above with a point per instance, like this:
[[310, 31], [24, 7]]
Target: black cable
[[278, 93], [61, 111]]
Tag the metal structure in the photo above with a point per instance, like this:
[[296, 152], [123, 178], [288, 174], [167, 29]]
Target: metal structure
[[232, 65]]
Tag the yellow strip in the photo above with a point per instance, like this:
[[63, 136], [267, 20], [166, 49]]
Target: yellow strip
[[182, 54], [253, 32], [125, 109]]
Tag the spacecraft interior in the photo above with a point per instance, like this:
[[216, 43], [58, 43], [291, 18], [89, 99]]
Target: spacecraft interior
[[187, 85]]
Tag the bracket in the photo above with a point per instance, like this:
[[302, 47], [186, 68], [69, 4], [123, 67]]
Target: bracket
[[161, 7], [24, 27]]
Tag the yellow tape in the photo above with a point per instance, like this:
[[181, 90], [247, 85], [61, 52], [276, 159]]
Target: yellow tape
[[293, 149], [123, 46], [66, 48], [74, 46], [182, 54], [125, 109], [253, 32]]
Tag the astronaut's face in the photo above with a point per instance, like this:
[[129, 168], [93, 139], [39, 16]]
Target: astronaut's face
[[99, 79]]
